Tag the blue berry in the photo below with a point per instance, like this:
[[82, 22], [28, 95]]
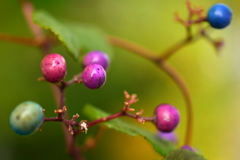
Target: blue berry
[[53, 68], [26, 118], [94, 76], [96, 57], [219, 16], [166, 118]]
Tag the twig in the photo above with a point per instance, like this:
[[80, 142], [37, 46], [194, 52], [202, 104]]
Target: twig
[[152, 56]]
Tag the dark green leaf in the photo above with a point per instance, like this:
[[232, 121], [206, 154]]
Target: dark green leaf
[[161, 146], [183, 154], [74, 36]]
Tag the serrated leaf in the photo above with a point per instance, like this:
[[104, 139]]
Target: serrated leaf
[[161, 146], [183, 154], [74, 36]]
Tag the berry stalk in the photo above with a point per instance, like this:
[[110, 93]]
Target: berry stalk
[[176, 47], [175, 76], [70, 140]]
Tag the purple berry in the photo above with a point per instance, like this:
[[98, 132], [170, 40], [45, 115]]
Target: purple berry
[[167, 117], [171, 136], [96, 57], [188, 148], [54, 68], [94, 76]]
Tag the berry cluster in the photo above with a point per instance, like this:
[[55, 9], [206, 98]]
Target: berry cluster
[[95, 63], [94, 75], [28, 116]]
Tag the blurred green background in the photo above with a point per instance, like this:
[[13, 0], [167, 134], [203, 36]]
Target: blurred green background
[[214, 80]]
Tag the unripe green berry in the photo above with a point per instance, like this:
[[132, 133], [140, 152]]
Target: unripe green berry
[[26, 118]]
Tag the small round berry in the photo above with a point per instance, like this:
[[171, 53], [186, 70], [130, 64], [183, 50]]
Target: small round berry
[[188, 148], [166, 117], [219, 16], [171, 136], [96, 57], [26, 118], [94, 76], [54, 68]]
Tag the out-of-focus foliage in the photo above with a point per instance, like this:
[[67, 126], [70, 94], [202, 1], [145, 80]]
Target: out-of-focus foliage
[[76, 38], [183, 154], [213, 79]]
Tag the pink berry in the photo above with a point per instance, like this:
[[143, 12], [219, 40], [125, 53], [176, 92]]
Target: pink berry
[[94, 76], [167, 117], [96, 57], [54, 68]]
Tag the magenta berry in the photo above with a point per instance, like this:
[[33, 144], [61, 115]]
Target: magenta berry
[[167, 117], [54, 68], [94, 76], [96, 57]]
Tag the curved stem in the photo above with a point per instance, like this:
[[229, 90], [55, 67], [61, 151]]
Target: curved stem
[[190, 38], [168, 53], [152, 56], [133, 47], [175, 76]]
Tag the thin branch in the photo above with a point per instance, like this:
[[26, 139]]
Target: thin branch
[[69, 139], [169, 52], [151, 56], [21, 40], [145, 119], [104, 119], [133, 47], [176, 47], [119, 114], [27, 9], [76, 79], [175, 76]]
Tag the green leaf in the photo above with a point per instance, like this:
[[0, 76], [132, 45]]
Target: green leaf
[[74, 36], [161, 146], [183, 154]]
